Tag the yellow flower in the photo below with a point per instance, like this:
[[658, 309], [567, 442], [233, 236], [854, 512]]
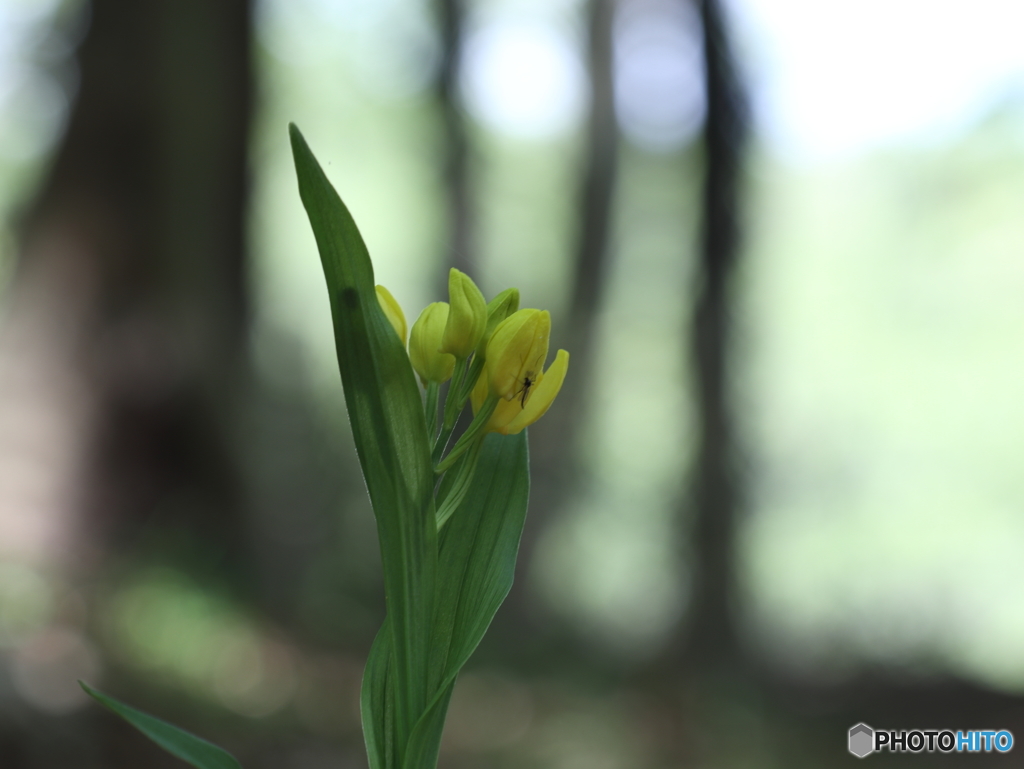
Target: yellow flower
[[511, 417], [468, 317], [514, 372], [392, 311], [424, 342], [516, 352]]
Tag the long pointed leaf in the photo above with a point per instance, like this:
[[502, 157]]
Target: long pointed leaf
[[376, 702], [425, 743], [478, 551], [476, 566], [389, 430], [179, 743]]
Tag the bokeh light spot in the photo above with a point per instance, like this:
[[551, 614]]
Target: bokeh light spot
[[523, 78], [659, 92]]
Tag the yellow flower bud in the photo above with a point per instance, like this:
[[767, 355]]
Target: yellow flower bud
[[516, 352], [392, 311], [467, 318], [424, 342], [499, 308], [511, 417]]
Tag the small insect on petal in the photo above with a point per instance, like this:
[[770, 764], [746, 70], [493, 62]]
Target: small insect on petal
[[516, 351], [544, 393]]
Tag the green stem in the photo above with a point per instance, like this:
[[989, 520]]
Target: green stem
[[450, 503], [474, 374], [430, 407], [452, 409], [439, 445], [466, 439], [451, 405]]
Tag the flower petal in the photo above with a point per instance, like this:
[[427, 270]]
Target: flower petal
[[431, 364], [542, 397], [517, 350], [467, 318], [392, 311]]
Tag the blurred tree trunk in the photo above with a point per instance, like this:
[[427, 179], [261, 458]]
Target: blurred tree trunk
[[593, 237], [554, 458], [716, 498], [455, 152], [145, 204], [127, 315]]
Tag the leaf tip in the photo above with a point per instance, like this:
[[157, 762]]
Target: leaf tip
[[297, 139]]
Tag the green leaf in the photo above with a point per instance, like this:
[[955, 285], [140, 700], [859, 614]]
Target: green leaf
[[425, 743], [376, 703], [189, 748], [390, 433], [478, 551], [476, 566]]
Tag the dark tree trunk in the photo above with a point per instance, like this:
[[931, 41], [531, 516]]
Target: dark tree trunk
[[145, 205], [716, 499], [455, 150], [128, 313], [554, 447], [593, 238]]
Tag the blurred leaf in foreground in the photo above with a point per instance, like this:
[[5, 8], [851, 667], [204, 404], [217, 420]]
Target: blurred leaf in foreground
[[189, 748]]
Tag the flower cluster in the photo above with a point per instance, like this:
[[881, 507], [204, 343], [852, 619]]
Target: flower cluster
[[492, 353]]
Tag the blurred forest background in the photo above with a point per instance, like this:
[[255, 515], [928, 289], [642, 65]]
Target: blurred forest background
[[781, 492]]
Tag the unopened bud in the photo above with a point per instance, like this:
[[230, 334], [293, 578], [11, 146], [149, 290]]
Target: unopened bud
[[425, 341], [467, 318]]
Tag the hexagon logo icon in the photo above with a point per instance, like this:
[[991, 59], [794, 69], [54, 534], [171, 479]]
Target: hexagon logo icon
[[862, 740]]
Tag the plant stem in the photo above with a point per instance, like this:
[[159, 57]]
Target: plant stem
[[451, 404], [474, 374], [440, 443], [466, 439], [452, 409], [430, 407], [457, 492]]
